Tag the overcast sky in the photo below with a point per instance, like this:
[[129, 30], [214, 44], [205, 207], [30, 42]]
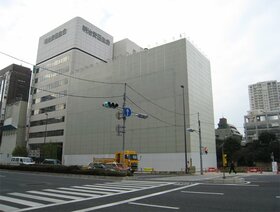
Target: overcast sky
[[241, 38]]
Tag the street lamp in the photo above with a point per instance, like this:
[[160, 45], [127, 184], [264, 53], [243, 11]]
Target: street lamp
[[185, 136], [46, 127], [200, 144]]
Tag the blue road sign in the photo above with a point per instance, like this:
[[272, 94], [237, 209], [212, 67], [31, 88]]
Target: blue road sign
[[126, 112]]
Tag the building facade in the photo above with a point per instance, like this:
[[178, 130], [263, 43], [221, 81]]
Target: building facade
[[226, 130], [14, 93], [257, 122], [83, 68], [265, 96]]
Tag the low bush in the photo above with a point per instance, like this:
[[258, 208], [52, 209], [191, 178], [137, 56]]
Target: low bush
[[64, 169]]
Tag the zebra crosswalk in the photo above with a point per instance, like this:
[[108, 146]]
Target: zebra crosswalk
[[32, 199]]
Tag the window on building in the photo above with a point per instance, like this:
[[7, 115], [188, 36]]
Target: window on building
[[47, 134], [48, 121]]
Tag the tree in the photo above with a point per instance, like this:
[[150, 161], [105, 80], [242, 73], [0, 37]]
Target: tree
[[231, 148], [274, 147], [20, 151], [266, 138], [50, 150]]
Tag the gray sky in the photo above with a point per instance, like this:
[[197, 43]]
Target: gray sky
[[241, 38]]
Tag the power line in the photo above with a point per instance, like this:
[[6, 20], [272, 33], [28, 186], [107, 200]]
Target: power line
[[152, 101], [66, 75], [159, 106], [149, 113], [65, 94], [86, 97]]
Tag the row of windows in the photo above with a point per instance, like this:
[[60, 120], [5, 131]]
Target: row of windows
[[51, 75], [51, 86], [36, 69], [9, 132], [57, 62], [49, 97], [47, 134], [48, 109], [261, 127], [47, 121]]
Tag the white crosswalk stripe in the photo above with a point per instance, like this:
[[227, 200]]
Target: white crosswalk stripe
[[18, 201], [57, 196], [54, 195], [7, 208], [92, 187], [87, 190], [70, 192], [47, 199]]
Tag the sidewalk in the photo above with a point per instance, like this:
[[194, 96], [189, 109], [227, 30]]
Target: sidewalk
[[211, 177]]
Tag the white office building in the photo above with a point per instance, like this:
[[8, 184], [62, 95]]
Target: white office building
[[79, 67]]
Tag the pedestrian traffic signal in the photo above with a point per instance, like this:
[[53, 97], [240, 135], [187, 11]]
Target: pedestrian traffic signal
[[224, 160], [110, 105]]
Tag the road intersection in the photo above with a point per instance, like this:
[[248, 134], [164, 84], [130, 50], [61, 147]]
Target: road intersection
[[45, 192]]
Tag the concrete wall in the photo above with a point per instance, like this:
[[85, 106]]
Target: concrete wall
[[157, 74]]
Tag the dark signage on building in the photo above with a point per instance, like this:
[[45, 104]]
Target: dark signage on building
[[96, 35], [55, 36]]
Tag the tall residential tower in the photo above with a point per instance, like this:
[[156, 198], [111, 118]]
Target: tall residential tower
[[264, 114], [265, 96]]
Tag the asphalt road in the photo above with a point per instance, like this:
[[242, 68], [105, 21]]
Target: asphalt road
[[23, 191]]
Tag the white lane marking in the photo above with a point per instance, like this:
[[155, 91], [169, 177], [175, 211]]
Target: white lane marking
[[140, 182], [99, 188], [70, 192], [7, 208], [241, 185], [87, 190], [36, 197], [19, 201], [278, 197], [197, 192], [86, 199], [156, 206], [135, 199], [110, 187], [54, 195], [125, 186], [136, 183]]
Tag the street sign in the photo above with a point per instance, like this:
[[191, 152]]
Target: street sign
[[142, 116], [126, 112]]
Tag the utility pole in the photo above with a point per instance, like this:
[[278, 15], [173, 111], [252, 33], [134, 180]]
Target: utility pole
[[200, 144], [124, 119], [185, 136]]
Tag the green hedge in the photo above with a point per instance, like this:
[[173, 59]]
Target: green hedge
[[64, 169]]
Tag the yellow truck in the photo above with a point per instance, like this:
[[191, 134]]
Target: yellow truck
[[128, 158]]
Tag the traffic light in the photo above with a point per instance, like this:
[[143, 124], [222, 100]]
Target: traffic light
[[224, 160], [110, 105]]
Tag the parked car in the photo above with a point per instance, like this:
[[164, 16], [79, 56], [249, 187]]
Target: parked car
[[22, 161], [51, 162], [118, 167], [96, 166]]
